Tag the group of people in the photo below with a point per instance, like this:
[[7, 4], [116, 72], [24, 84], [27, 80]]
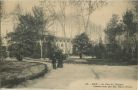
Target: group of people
[[57, 63], [57, 60]]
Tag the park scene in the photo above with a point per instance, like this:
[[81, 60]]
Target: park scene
[[69, 44]]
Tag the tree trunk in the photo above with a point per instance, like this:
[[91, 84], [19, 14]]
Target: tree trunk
[[54, 64], [80, 55]]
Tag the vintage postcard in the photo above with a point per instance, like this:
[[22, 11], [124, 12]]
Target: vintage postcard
[[68, 44]]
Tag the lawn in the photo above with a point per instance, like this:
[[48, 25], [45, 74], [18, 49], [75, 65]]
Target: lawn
[[14, 72]]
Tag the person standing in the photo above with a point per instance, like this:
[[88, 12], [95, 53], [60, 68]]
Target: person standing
[[54, 61]]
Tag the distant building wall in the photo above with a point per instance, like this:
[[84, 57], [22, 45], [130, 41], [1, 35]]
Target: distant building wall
[[64, 44]]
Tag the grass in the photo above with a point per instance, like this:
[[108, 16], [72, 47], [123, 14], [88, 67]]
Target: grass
[[14, 72]]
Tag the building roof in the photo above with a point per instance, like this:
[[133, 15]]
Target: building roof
[[63, 39]]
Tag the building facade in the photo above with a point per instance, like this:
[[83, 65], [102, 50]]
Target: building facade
[[65, 44]]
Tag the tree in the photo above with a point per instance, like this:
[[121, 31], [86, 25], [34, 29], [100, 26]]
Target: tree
[[41, 21], [126, 30], [128, 19], [86, 8], [24, 37], [113, 29], [81, 43], [1, 15], [50, 45], [27, 33], [1, 8], [61, 17], [130, 43], [63, 5], [99, 50]]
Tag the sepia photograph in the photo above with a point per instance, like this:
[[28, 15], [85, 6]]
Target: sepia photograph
[[68, 45]]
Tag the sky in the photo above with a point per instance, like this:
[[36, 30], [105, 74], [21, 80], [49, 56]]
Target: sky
[[99, 18]]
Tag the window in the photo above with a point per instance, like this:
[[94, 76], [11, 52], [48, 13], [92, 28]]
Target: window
[[61, 44]]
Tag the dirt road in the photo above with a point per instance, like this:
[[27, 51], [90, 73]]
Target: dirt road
[[75, 74]]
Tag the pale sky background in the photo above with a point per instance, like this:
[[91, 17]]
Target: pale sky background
[[98, 19]]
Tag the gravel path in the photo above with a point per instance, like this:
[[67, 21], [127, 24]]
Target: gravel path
[[77, 75]]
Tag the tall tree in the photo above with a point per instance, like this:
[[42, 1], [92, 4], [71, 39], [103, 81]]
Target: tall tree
[[99, 49], [86, 8], [126, 29], [1, 14], [81, 43], [112, 31], [28, 32], [131, 42], [63, 5]]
